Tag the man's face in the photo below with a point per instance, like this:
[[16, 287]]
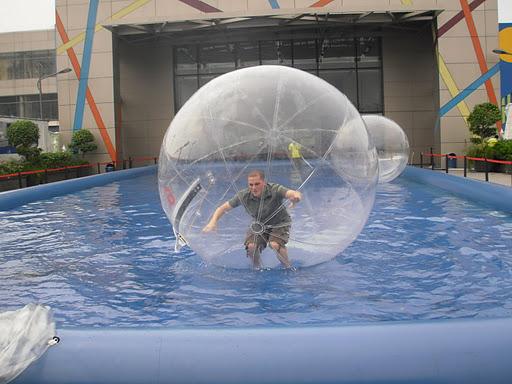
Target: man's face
[[256, 185]]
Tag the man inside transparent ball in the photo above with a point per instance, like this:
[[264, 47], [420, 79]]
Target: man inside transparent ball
[[271, 221]]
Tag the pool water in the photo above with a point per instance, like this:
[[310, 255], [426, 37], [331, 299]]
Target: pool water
[[104, 257]]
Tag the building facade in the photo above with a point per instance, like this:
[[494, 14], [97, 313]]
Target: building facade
[[422, 63], [25, 57]]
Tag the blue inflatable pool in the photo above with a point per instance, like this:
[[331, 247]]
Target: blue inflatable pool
[[422, 351]]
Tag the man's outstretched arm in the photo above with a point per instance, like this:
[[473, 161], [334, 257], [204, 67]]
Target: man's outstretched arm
[[293, 196], [219, 212]]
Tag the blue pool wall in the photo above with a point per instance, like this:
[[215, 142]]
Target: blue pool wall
[[450, 351], [17, 197], [440, 351], [483, 193], [492, 195]]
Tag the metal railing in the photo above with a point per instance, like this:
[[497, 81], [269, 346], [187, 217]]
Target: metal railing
[[487, 168], [42, 176]]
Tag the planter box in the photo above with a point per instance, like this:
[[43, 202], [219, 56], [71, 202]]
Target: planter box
[[504, 168], [479, 166], [37, 179]]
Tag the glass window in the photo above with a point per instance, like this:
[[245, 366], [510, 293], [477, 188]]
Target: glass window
[[27, 65], [185, 87], [368, 51], [8, 106], [7, 62], [186, 60], [370, 90], [19, 63], [50, 105], [50, 110], [276, 52], [268, 51], [248, 54], [332, 59], [216, 58], [304, 54], [344, 80], [29, 106], [336, 53], [203, 79]]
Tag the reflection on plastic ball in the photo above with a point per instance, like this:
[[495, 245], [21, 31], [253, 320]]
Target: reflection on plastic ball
[[301, 131], [391, 144]]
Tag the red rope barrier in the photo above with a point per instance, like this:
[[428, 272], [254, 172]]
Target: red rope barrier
[[49, 170], [499, 161], [8, 175], [469, 158]]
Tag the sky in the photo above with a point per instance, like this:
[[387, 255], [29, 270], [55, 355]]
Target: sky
[[27, 15], [505, 11]]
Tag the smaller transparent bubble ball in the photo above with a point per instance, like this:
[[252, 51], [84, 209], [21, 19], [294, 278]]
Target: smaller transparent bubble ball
[[392, 146], [302, 132]]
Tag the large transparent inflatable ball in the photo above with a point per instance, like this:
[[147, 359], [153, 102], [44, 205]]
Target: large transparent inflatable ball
[[392, 146], [301, 132]]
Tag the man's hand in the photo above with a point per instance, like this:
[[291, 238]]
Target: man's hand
[[212, 224], [210, 227], [294, 197]]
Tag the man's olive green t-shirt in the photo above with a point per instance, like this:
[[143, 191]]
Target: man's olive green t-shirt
[[272, 208]]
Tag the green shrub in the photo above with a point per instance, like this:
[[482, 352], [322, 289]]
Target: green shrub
[[24, 135], [59, 159], [82, 141], [12, 166], [481, 150], [503, 150], [47, 160], [482, 120]]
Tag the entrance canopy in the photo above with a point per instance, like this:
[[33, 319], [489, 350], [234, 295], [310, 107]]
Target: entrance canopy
[[190, 28]]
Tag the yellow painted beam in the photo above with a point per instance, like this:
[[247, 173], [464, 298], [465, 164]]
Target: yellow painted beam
[[452, 87], [116, 16]]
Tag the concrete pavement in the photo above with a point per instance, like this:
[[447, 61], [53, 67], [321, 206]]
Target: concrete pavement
[[496, 178]]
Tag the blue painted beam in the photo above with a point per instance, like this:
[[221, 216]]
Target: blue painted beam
[[86, 63], [469, 90]]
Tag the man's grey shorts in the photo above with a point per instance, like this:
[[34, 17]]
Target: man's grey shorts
[[280, 235]]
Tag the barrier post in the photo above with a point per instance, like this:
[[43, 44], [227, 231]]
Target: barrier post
[[99, 169], [154, 159], [446, 165], [486, 169], [130, 162], [421, 159], [20, 182], [465, 166], [431, 158], [124, 163]]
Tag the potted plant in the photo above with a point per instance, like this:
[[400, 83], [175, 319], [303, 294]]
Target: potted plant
[[482, 124], [24, 136], [82, 142]]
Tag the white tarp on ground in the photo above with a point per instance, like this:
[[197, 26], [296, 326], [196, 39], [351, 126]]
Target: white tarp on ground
[[25, 335]]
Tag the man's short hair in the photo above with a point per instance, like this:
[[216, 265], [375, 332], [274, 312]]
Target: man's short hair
[[257, 172]]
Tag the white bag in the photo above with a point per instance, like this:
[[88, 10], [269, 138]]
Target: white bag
[[25, 335]]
